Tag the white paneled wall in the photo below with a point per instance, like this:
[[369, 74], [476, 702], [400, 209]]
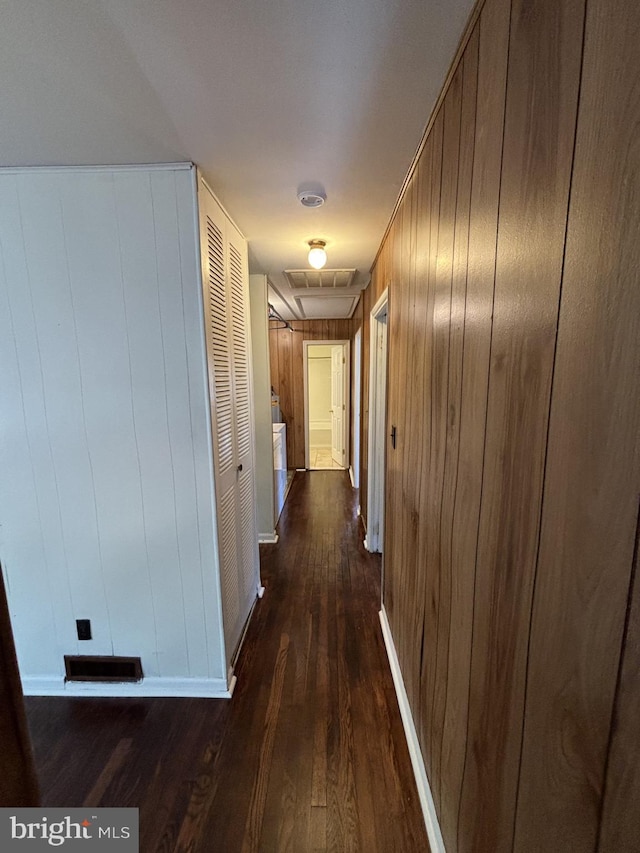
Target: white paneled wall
[[106, 489]]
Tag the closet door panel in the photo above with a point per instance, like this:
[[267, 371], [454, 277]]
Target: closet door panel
[[227, 308], [216, 305], [238, 282]]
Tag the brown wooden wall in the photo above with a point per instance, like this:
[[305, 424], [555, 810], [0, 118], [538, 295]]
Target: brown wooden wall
[[18, 782], [287, 378], [512, 497]]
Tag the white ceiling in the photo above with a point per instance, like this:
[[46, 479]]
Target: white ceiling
[[265, 95]]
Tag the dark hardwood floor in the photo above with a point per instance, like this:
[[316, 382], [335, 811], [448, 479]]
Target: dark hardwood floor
[[309, 754]]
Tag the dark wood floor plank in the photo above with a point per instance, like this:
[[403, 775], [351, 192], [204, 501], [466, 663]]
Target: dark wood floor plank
[[260, 783], [308, 755], [112, 766]]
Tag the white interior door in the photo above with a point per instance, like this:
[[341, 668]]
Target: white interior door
[[221, 395], [246, 523], [338, 449], [228, 356]]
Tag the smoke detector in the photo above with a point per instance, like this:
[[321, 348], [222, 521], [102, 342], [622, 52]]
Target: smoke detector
[[311, 198]]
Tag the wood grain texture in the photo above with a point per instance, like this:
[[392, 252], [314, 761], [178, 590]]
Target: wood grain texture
[[409, 451], [536, 165], [444, 417], [592, 479], [453, 652], [308, 755], [18, 782], [493, 34], [512, 502], [427, 637], [287, 379], [620, 823], [415, 455]]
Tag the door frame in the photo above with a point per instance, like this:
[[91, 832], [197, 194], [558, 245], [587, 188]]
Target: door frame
[[379, 316], [346, 421], [354, 468]]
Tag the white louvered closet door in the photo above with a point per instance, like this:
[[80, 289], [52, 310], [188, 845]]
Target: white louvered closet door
[[225, 284], [247, 532]]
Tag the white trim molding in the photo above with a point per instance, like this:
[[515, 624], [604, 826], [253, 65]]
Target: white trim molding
[[417, 762], [198, 688], [268, 538], [122, 167], [378, 320]]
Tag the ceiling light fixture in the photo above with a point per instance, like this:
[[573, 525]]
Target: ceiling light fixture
[[317, 254]]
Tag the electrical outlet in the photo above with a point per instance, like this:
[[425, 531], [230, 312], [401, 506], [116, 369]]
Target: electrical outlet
[[84, 629]]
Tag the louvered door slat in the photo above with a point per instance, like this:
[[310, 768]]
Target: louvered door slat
[[220, 349], [229, 563], [247, 545], [240, 352]]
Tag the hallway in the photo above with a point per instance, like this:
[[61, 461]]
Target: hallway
[[310, 753]]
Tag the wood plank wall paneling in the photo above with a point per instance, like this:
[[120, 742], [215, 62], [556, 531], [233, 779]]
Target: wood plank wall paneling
[[542, 95], [620, 820], [412, 446], [287, 372], [591, 489], [512, 495], [427, 617], [441, 415], [454, 654]]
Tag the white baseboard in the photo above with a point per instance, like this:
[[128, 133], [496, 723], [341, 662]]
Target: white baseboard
[[422, 782], [199, 688], [268, 538]]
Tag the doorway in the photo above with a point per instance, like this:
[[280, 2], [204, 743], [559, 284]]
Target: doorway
[[374, 539], [354, 470], [326, 404]]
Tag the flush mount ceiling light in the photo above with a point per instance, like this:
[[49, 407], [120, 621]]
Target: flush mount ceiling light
[[317, 254]]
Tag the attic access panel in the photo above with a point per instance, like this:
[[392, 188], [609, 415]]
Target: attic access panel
[[327, 307], [320, 279]]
